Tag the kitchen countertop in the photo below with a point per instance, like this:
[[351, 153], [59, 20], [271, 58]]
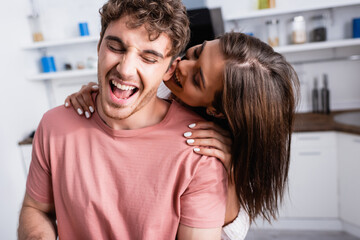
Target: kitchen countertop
[[311, 122]]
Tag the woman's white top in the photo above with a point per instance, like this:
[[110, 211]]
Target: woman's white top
[[238, 229]]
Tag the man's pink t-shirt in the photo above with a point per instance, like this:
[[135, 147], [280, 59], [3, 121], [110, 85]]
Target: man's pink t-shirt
[[124, 184]]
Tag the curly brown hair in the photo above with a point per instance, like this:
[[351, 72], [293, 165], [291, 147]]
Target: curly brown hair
[[158, 16]]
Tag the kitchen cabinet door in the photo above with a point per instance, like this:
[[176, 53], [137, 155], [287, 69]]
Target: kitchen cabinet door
[[349, 177], [312, 177]]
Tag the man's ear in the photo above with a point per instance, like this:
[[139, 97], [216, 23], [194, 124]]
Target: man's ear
[[171, 69], [213, 112]]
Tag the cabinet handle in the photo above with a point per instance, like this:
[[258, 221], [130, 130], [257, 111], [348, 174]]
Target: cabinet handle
[[309, 138], [309, 153]]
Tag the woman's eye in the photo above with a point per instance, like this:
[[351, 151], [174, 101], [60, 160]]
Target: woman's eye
[[196, 55], [196, 82]]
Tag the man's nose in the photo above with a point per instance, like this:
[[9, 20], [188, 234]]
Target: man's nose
[[127, 66]]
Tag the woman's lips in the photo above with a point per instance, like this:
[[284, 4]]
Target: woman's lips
[[176, 80]]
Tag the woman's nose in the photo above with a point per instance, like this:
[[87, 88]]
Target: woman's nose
[[186, 66]]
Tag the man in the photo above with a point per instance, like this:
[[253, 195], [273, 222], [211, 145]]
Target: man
[[126, 173]]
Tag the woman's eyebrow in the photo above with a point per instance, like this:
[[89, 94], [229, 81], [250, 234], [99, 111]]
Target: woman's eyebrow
[[202, 47], [201, 72]]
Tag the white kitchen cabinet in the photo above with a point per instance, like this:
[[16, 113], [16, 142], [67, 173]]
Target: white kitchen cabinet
[[62, 44], [291, 9], [312, 177], [59, 84], [349, 178], [339, 44]]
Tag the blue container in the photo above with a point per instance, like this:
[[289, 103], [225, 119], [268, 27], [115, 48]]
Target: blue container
[[48, 64], [356, 28], [83, 27]]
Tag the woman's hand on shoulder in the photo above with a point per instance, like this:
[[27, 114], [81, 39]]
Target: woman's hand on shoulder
[[82, 101], [211, 140]]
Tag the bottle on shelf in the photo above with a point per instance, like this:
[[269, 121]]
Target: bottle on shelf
[[315, 97], [325, 95], [271, 3], [47, 63]]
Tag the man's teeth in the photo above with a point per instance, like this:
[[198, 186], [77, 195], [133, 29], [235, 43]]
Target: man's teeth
[[122, 87]]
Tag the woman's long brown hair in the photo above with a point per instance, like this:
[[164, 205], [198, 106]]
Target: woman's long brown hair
[[258, 101]]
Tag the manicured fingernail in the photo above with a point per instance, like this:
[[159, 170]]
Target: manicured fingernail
[[190, 141], [87, 115], [91, 109], [196, 149], [95, 87], [187, 134], [192, 125], [80, 112], [66, 104]]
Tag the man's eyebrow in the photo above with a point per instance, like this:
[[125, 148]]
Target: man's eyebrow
[[154, 53], [114, 38]]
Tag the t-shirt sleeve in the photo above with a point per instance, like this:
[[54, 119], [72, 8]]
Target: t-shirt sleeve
[[203, 203], [39, 184]]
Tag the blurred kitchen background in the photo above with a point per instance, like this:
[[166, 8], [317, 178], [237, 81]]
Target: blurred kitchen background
[[49, 50]]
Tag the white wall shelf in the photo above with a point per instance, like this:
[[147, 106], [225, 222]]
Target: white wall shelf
[[318, 45], [275, 11], [63, 42], [62, 75]]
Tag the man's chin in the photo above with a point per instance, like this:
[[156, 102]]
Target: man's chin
[[116, 113]]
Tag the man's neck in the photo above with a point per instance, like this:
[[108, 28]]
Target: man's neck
[[151, 114]]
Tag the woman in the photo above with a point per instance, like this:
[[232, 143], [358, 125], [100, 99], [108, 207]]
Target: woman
[[255, 105]]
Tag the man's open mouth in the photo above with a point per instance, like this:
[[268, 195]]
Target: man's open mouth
[[122, 91]]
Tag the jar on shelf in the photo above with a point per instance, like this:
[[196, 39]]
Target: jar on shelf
[[273, 32], [298, 30], [263, 4], [35, 28], [318, 31]]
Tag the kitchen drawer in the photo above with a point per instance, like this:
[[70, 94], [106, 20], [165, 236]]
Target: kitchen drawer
[[314, 140]]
